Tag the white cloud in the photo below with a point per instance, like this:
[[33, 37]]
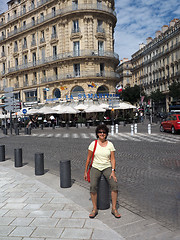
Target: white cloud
[[136, 20], [140, 19]]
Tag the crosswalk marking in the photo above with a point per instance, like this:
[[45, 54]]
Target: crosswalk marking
[[42, 135], [58, 135], [129, 136], [50, 135], [75, 135], [118, 136], [65, 135], [84, 135]]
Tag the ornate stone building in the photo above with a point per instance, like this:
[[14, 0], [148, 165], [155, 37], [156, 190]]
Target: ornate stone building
[[124, 71], [58, 49], [157, 64]]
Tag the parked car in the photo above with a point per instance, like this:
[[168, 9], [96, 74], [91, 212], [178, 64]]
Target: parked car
[[171, 124]]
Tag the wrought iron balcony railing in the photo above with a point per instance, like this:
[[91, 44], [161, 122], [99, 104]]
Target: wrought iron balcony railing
[[64, 56], [59, 12]]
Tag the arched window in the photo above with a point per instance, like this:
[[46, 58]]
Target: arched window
[[76, 91], [102, 90], [57, 93]]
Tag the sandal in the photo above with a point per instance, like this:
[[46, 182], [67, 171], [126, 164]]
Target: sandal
[[93, 213], [115, 213]]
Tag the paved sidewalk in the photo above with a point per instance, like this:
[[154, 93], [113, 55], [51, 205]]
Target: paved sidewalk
[[36, 208]]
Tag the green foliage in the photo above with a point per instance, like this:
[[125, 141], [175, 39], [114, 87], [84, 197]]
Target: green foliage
[[174, 90], [131, 94], [157, 96]]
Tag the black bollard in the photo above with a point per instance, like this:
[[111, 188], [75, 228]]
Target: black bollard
[[18, 157], [76, 125], [2, 153], [5, 131], [53, 126], [65, 174], [39, 163], [42, 126], [17, 131], [87, 125], [103, 199], [29, 131], [25, 130]]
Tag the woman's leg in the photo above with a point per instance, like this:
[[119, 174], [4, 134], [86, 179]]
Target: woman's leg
[[95, 174], [114, 191], [114, 199]]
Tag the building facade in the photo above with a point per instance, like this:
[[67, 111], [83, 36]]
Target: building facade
[[57, 49], [124, 71], [157, 64]]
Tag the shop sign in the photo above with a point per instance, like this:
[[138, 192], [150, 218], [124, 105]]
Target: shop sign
[[93, 96]]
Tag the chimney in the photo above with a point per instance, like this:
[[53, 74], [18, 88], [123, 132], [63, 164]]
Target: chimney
[[125, 59], [148, 40], [164, 28], [158, 33], [172, 23], [141, 45]]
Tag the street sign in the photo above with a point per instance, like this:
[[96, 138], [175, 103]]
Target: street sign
[[24, 111]]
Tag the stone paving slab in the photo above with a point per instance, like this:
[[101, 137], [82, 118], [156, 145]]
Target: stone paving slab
[[44, 211], [41, 212]]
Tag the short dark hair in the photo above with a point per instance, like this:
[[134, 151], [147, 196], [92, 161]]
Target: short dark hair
[[102, 127]]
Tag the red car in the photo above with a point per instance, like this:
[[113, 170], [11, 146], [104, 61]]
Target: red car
[[172, 124]]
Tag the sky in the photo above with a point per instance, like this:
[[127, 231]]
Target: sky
[[136, 21]]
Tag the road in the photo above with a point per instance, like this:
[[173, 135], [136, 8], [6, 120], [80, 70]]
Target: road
[[148, 166]]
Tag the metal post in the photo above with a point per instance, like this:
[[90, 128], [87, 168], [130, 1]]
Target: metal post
[[11, 122], [39, 163], [65, 174], [116, 127], [135, 128], [112, 129], [42, 126], [149, 128], [103, 199], [88, 125], [132, 130], [2, 153], [53, 126], [18, 157]]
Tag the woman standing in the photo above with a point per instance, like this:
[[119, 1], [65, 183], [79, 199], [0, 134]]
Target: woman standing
[[103, 162]]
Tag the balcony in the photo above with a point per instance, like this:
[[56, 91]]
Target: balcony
[[66, 56], [73, 75], [59, 12]]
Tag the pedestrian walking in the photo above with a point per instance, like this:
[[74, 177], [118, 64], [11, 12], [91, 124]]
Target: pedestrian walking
[[103, 163]]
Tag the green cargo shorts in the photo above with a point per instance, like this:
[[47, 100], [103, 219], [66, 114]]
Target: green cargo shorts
[[95, 175]]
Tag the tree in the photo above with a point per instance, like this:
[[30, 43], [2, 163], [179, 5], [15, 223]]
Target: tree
[[131, 94], [174, 90], [157, 96]]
